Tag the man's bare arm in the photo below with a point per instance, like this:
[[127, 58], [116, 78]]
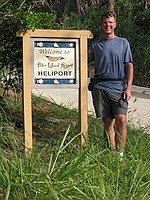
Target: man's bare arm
[[129, 80]]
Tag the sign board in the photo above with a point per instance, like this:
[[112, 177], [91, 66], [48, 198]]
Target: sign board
[[55, 62], [51, 59]]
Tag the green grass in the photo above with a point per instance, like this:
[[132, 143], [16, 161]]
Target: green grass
[[58, 168]]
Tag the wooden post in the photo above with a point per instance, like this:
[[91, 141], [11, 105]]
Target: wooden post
[[83, 91], [27, 93]]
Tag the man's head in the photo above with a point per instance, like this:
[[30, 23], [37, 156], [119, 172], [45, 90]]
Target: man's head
[[108, 14], [108, 24]]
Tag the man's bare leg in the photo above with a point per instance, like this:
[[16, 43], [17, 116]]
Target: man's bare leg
[[121, 132], [109, 129]]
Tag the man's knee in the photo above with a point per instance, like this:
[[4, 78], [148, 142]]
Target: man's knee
[[120, 120], [108, 122]]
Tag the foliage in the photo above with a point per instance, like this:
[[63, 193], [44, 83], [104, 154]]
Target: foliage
[[11, 47], [132, 23], [58, 168], [37, 20], [90, 20]]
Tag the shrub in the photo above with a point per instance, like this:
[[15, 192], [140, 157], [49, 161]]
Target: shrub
[[11, 47]]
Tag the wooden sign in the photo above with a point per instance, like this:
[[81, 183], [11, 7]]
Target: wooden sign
[[50, 66], [55, 62]]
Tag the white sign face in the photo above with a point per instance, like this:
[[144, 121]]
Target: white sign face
[[54, 62]]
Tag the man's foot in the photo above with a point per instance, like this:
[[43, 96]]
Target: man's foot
[[121, 156]]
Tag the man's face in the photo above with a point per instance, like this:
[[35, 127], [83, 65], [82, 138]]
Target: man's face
[[108, 25]]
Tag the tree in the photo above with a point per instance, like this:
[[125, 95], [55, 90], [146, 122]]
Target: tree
[[82, 6], [147, 4], [111, 5]]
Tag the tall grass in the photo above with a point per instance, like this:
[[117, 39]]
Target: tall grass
[[59, 169]]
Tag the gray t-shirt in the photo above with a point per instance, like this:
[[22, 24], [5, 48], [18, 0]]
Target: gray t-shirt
[[110, 58]]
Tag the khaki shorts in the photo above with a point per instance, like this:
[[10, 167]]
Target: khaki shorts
[[108, 104]]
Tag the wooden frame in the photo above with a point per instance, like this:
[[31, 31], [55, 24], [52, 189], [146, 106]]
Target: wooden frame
[[82, 35]]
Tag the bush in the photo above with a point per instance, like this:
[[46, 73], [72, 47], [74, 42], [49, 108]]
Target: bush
[[132, 23], [11, 47]]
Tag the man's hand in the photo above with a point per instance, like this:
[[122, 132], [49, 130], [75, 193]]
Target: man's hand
[[127, 94]]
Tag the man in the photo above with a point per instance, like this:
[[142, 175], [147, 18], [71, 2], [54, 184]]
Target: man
[[113, 66]]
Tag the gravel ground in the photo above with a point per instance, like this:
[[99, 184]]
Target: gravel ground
[[139, 105]]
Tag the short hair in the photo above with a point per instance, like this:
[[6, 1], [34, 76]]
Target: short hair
[[108, 14]]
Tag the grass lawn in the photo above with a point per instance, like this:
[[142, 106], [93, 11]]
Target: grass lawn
[[58, 168]]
